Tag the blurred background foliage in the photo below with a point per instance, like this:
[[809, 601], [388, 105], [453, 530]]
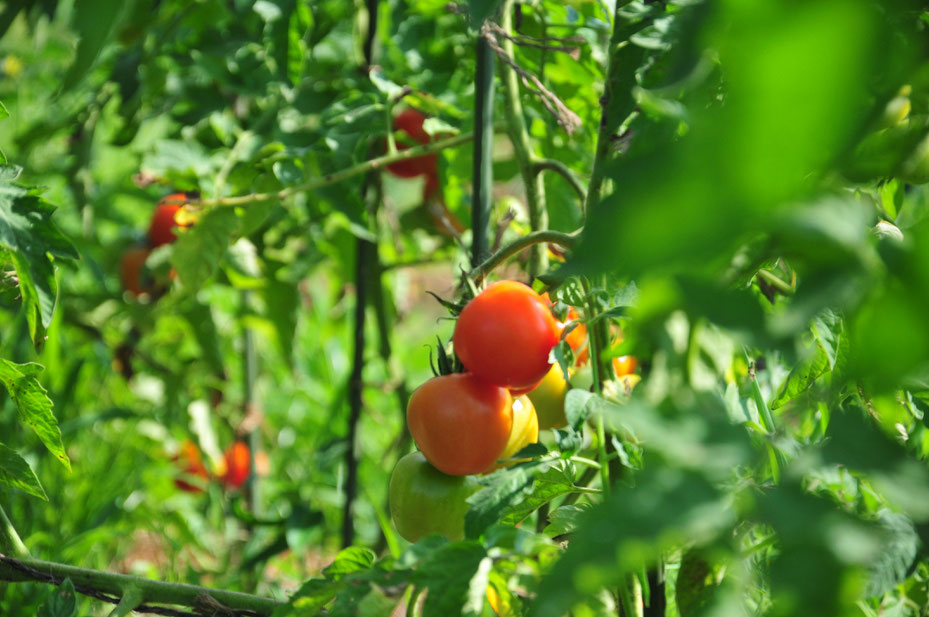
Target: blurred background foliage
[[761, 237]]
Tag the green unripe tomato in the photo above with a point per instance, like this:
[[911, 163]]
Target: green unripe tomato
[[423, 500]]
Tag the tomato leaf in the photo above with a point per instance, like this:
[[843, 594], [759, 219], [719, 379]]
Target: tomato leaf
[[33, 405], [60, 602], [15, 471], [95, 21], [897, 555], [350, 560], [502, 489], [199, 250], [449, 574], [30, 238], [548, 485]]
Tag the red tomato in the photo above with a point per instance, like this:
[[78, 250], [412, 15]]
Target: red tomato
[[410, 122], [238, 466], [460, 422], [161, 230], [505, 335], [191, 467], [131, 271]]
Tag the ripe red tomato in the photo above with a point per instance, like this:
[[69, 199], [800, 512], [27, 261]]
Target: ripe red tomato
[[135, 281], [505, 335], [192, 467], [238, 465], [161, 230], [410, 122], [460, 422], [423, 500]]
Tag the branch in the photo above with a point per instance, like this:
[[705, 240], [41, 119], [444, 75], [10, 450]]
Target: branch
[[556, 237], [339, 176], [566, 118], [522, 148], [110, 587], [541, 165]]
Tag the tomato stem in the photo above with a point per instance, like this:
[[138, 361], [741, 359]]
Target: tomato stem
[[522, 148], [483, 152], [9, 539], [338, 176], [96, 582], [536, 237]]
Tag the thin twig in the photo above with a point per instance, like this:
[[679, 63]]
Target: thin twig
[[569, 120], [556, 237], [557, 166]]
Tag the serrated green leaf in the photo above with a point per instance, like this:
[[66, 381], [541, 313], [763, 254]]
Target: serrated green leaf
[[502, 489], [802, 376], [60, 602], [548, 485], [197, 252], [28, 234], [565, 519], [33, 405], [481, 10], [447, 574], [896, 556], [350, 560], [15, 471]]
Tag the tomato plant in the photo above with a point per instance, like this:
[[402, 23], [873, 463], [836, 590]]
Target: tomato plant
[[505, 335], [460, 422]]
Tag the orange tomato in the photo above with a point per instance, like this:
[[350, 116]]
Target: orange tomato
[[238, 465], [191, 467], [624, 365], [460, 422], [410, 122]]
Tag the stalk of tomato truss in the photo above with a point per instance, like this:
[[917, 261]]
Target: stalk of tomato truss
[[483, 151], [519, 136]]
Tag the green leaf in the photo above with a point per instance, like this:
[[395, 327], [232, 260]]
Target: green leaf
[[30, 237], [95, 23], [447, 573], [802, 376], [33, 405], [4, 114], [896, 556], [15, 471], [60, 602], [350, 560], [548, 485], [199, 250], [632, 527], [301, 20], [502, 489], [481, 10], [565, 519]]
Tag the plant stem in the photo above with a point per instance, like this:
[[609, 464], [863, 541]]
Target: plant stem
[[9, 539], [249, 375], [540, 165], [622, 61], [483, 152], [556, 237], [522, 149], [338, 176], [95, 582], [776, 282]]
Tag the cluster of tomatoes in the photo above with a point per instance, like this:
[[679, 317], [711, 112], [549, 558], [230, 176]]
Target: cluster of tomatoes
[[472, 422], [231, 472], [137, 280], [410, 123]]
